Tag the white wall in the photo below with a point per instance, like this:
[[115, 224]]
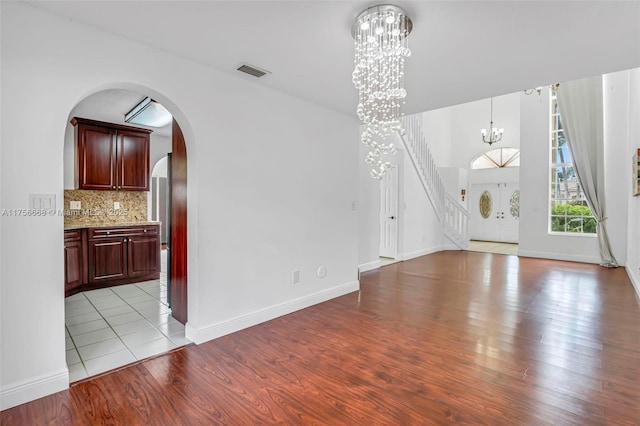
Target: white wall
[[272, 180], [159, 169], [368, 214], [468, 119], [633, 216], [422, 232], [160, 147], [455, 180], [438, 128], [616, 158]]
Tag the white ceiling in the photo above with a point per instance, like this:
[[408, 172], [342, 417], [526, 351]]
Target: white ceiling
[[462, 50]]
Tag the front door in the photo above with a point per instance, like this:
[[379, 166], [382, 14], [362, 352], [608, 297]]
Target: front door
[[495, 209], [389, 213]]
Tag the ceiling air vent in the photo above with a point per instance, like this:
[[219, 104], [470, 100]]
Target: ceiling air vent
[[256, 72]]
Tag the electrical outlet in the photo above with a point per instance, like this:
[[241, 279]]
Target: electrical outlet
[[75, 205], [295, 276], [321, 272], [116, 205]]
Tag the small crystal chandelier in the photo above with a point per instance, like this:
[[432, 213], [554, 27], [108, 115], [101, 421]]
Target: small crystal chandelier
[[495, 135], [538, 89], [380, 34]]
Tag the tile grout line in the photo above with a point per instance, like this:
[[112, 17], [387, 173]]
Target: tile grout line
[[111, 292], [109, 326], [74, 342]]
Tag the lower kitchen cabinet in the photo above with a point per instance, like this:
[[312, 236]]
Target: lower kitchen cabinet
[[74, 260], [107, 259], [143, 255], [104, 257], [123, 255]]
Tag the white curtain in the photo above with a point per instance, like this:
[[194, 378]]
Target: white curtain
[[581, 112]]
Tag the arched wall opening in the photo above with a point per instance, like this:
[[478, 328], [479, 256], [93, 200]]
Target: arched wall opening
[[160, 147]]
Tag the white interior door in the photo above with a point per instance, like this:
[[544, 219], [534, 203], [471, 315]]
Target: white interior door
[[495, 210], [389, 213]]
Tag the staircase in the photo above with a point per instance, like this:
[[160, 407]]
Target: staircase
[[451, 214]]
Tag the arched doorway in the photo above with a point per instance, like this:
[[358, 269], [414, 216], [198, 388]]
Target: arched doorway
[[110, 327]]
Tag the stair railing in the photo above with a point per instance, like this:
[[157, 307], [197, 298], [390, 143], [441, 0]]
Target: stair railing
[[451, 214]]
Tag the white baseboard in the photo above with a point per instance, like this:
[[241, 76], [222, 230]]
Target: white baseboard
[[422, 252], [34, 388], [204, 334], [370, 266], [634, 276], [559, 256], [450, 246]]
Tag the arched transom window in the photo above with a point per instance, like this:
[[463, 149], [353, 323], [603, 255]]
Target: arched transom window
[[497, 158]]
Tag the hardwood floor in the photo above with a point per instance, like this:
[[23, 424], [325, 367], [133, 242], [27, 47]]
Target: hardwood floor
[[453, 337]]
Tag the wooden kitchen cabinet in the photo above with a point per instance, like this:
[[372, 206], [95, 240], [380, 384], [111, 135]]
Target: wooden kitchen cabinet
[[74, 261], [122, 255], [107, 259], [111, 156], [143, 255]]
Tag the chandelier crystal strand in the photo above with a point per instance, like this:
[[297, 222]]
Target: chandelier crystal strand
[[380, 34]]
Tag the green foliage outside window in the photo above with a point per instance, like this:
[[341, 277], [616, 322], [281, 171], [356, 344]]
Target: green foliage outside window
[[569, 210], [573, 217]]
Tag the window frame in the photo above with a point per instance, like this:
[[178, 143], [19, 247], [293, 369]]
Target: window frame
[[555, 130]]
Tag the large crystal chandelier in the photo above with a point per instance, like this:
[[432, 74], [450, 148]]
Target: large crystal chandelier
[[380, 34]]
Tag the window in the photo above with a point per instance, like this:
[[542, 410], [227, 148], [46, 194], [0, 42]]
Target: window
[[497, 158], [568, 211]]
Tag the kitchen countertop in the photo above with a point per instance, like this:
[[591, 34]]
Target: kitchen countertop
[[110, 225]]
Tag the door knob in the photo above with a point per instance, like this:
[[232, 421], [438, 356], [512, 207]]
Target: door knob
[[392, 217]]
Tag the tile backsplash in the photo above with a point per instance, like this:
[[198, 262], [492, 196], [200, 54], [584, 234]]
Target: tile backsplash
[[97, 207]]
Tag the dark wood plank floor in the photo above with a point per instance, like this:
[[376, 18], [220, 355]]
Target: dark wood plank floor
[[453, 337]]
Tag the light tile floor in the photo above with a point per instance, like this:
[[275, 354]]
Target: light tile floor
[[493, 247], [114, 326], [384, 261]]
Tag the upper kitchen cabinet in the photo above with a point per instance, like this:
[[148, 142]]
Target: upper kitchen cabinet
[[111, 156]]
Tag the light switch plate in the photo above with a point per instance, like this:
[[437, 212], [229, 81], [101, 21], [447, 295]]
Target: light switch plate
[[42, 201], [75, 205]]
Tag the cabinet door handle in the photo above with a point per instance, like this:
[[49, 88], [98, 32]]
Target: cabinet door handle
[[129, 239], [125, 240], [114, 187]]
